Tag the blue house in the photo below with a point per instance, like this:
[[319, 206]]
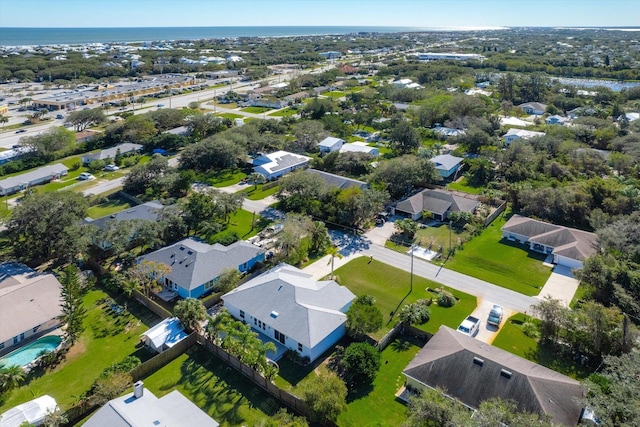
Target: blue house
[[446, 164], [296, 312], [196, 266]]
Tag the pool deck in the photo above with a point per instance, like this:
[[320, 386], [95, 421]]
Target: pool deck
[[27, 342]]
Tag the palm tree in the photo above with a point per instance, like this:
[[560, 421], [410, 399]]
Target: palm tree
[[3, 120], [191, 312], [217, 326], [333, 252], [256, 178], [11, 377]]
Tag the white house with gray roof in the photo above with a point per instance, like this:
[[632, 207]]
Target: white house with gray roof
[[438, 203], [288, 306], [333, 180], [110, 153], [274, 165], [446, 164], [196, 266], [330, 144], [35, 177]]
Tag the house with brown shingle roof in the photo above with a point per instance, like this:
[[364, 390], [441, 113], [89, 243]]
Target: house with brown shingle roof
[[472, 371], [568, 246]]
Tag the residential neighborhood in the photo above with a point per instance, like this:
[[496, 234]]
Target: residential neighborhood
[[389, 228]]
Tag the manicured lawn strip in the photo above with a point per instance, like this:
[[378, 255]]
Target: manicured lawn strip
[[259, 194], [229, 116], [108, 208], [107, 339], [256, 110], [380, 404], [215, 387], [335, 94], [226, 178], [229, 106], [284, 113], [390, 287], [512, 339], [240, 222], [464, 186], [496, 260]]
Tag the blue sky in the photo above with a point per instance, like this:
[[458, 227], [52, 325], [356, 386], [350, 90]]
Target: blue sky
[[410, 13]]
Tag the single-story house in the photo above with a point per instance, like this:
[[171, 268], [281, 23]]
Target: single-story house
[[196, 266], [447, 131], [446, 164], [164, 335], [35, 177], [536, 108], [514, 134], [339, 181], [32, 413], [85, 135], [287, 305], [402, 83], [142, 408], [274, 165], [268, 102], [556, 120], [471, 371], [14, 153], [110, 153], [332, 54], [568, 246], [581, 112], [29, 305], [361, 147], [149, 211], [180, 131], [330, 144], [439, 203]]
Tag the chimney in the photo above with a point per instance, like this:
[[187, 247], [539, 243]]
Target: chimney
[[138, 389]]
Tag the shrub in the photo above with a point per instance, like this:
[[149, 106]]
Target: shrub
[[530, 329], [446, 299], [227, 238]]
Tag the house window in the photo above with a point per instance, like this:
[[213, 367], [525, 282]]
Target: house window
[[34, 330], [255, 321], [1, 345], [279, 336], [244, 266], [241, 314], [209, 284], [300, 347]]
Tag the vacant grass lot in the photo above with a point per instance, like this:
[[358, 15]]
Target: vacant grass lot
[[335, 94], [227, 177], [254, 193], [229, 116], [110, 207], [107, 339], [390, 287], [512, 339], [219, 390], [256, 110], [496, 260]]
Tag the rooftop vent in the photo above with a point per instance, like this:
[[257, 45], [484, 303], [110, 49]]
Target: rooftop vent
[[478, 361], [505, 373], [274, 314], [138, 389]]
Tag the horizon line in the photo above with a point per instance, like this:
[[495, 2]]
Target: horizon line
[[340, 26]]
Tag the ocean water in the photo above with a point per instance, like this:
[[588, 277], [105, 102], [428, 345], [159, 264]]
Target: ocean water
[[51, 36]]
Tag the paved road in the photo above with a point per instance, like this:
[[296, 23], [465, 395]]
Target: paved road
[[103, 187]]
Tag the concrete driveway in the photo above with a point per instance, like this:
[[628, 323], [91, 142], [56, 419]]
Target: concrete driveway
[[561, 285], [378, 235], [488, 333]]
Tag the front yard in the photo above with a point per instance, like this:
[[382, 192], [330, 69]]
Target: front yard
[[259, 193], [110, 207], [256, 110]]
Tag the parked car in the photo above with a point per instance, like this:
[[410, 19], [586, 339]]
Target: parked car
[[21, 131], [111, 168], [59, 116], [470, 326], [160, 105], [85, 176], [495, 316]]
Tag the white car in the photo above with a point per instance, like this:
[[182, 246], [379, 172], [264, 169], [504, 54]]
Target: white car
[[470, 326], [111, 168], [85, 176]]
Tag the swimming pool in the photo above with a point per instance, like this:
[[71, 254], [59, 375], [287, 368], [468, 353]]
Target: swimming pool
[[27, 354]]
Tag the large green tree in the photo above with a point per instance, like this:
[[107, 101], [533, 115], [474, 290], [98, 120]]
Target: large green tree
[[82, 119], [363, 317], [325, 396], [47, 226], [191, 313], [73, 310]]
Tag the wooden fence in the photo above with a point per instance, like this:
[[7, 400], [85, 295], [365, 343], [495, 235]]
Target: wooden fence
[[161, 359], [496, 213], [401, 329], [162, 312]]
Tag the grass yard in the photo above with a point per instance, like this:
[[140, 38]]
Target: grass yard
[[512, 339], [499, 261], [390, 287], [229, 116], [438, 236], [240, 223], [226, 178], [256, 110], [287, 112], [108, 208], [259, 193], [229, 106], [215, 387], [379, 402], [107, 339], [335, 94], [463, 185]]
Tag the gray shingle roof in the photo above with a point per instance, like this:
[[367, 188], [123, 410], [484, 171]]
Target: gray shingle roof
[[194, 263], [446, 161], [329, 141], [473, 371], [149, 211], [27, 299], [35, 175], [110, 153], [436, 201], [307, 310], [568, 242], [337, 180]]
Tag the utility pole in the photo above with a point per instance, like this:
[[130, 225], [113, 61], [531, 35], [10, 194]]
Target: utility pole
[[450, 222], [411, 276]]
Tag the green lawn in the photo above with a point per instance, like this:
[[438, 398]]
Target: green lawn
[[256, 110], [284, 113], [499, 261], [229, 106], [464, 186], [512, 339], [227, 177], [390, 287], [335, 94], [438, 237], [240, 223], [107, 339], [259, 193], [230, 116], [219, 390], [379, 402], [108, 208]]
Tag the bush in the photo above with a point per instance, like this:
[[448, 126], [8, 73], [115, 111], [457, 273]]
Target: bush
[[530, 329], [446, 299], [227, 238], [124, 366], [361, 362]]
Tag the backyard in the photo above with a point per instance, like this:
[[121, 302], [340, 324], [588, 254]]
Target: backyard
[[215, 387], [107, 339], [260, 193], [109, 207], [390, 287], [496, 260]]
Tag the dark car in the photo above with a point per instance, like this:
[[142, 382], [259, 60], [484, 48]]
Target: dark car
[[21, 131], [495, 316]]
